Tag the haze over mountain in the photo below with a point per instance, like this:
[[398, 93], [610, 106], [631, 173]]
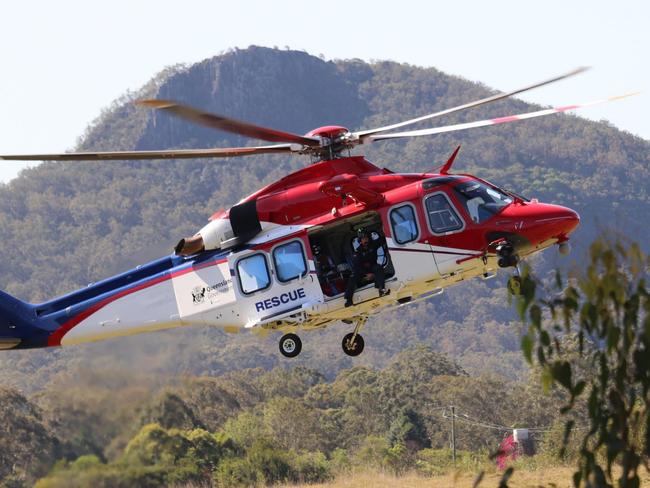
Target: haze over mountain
[[67, 224]]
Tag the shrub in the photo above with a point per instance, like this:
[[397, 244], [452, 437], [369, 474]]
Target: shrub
[[311, 467], [372, 452], [272, 465], [235, 472]]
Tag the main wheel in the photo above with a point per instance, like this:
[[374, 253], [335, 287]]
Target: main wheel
[[290, 345], [352, 348]]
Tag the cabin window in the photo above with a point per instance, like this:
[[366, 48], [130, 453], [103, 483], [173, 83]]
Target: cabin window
[[403, 223], [289, 261], [442, 216], [253, 273]]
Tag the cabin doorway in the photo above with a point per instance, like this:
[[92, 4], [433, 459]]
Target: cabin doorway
[[333, 247]]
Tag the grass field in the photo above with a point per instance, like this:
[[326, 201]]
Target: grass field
[[559, 477]]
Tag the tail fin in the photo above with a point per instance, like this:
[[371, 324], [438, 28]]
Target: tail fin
[[447, 166], [17, 322]]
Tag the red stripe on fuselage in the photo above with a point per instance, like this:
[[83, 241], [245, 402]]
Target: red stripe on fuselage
[[55, 338], [431, 251]]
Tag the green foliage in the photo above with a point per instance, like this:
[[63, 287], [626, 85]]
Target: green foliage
[[340, 461], [607, 308], [154, 457], [408, 430], [362, 418], [83, 463], [156, 445], [372, 452], [170, 410], [311, 467], [208, 449], [29, 449], [236, 472], [245, 429], [397, 459], [116, 476], [272, 464], [265, 464], [555, 446], [291, 424]]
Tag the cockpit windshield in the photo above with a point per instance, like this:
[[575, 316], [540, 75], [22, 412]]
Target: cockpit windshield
[[480, 200]]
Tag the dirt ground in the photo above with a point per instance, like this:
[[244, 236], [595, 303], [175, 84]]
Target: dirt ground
[[560, 477]]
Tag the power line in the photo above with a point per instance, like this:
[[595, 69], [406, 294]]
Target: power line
[[490, 425], [464, 418]]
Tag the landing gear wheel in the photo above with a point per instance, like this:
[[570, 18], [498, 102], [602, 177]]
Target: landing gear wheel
[[352, 348], [290, 345], [514, 285]]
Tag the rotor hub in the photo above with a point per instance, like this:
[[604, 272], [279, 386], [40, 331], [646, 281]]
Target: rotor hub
[[329, 131]]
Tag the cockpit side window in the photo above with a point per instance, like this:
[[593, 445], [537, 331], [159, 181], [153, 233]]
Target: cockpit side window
[[289, 261], [442, 216], [480, 200]]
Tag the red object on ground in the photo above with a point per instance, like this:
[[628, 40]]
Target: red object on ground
[[507, 452]]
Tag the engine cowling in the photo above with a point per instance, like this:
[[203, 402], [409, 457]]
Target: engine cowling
[[216, 233], [237, 226]]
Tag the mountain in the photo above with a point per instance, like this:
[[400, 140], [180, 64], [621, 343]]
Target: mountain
[[64, 225]]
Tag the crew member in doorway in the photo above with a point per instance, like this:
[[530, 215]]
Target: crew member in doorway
[[365, 266]]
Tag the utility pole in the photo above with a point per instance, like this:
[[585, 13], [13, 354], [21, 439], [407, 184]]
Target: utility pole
[[453, 434]]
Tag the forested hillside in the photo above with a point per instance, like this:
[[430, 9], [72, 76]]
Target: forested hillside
[[64, 225], [254, 426]]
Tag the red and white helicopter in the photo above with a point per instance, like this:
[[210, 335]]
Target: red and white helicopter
[[253, 266]]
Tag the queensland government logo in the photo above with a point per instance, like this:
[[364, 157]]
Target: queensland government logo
[[198, 294], [202, 293]]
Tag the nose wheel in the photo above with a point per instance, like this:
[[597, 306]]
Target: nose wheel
[[353, 342], [290, 345]]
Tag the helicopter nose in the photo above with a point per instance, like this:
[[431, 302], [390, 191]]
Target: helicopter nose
[[557, 222], [567, 219], [539, 222], [572, 220]]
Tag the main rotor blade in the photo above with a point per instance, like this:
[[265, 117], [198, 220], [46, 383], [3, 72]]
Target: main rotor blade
[[167, 154], [498, 120], [499, 96], [220, 122]]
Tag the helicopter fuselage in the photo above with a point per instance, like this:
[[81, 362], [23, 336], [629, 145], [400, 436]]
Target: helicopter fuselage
[[434, 230]]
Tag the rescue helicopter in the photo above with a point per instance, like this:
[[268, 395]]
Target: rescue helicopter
[[280, 259]]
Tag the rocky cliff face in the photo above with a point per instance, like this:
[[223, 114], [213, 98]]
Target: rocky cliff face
[[291, 91]]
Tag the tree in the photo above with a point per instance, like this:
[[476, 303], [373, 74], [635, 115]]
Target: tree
[[408, 429], [291, 424], [169, 410], [156, 445], [607, 307]]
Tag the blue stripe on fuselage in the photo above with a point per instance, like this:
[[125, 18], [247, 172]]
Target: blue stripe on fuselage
[[38, 321]]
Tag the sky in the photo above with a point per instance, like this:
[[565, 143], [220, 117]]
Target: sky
[[62, 62]]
